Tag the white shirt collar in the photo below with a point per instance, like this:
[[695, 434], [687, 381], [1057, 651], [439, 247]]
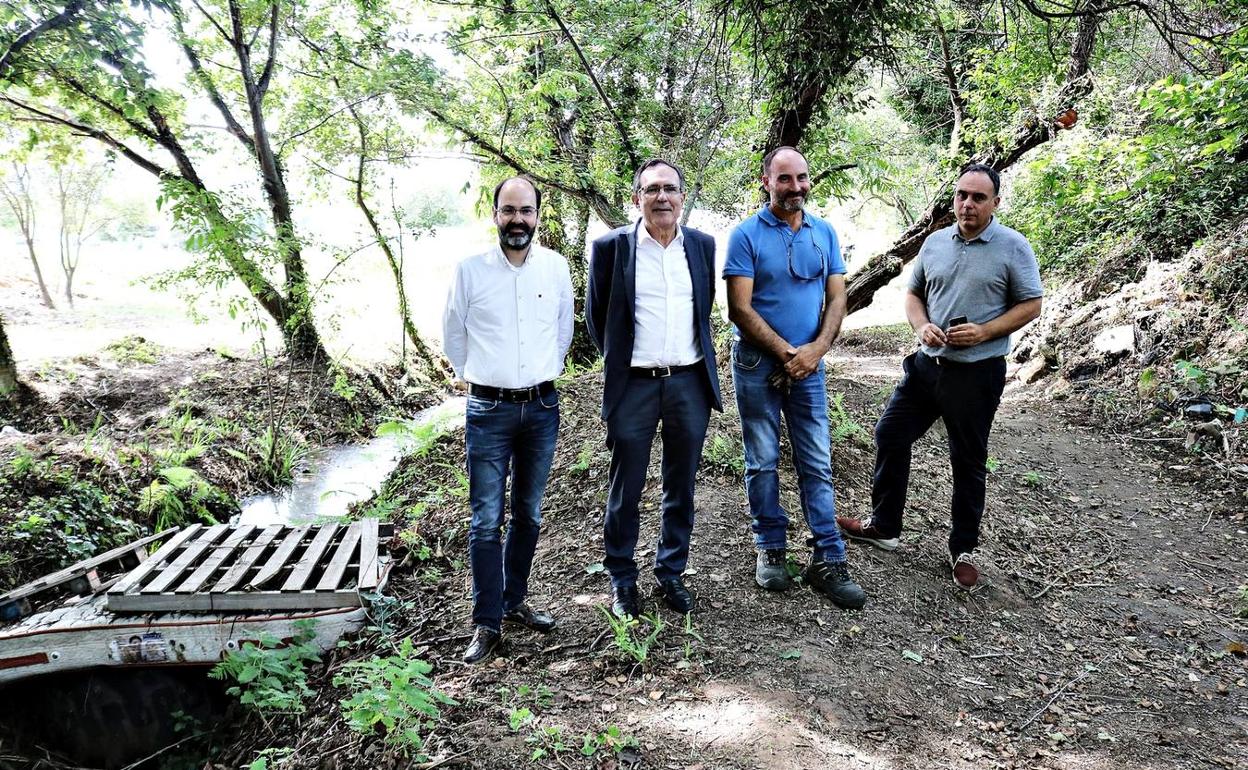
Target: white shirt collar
[[643, 235], [497, 251]]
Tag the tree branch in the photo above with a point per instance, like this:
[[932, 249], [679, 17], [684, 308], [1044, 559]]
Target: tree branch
[[216, 25], [609, 214], [59, 21], [46, 115], [882, 268], [214, 95], [267, 74], [619, 124]]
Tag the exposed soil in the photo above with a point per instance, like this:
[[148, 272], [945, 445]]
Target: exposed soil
[[1110, 631], [99, 429]]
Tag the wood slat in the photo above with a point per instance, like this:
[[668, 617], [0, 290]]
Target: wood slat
[[311, 557], [255, 550], [370, 574], [342, 557], [170, 574], [81, 568], [220, 554], [155, 560], [252, 601], [279, 557]]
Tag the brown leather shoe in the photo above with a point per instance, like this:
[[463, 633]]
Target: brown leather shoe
[[858, 529], [965, 573]]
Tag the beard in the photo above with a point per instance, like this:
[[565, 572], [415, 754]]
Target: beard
[[792, 202], [515, 236]]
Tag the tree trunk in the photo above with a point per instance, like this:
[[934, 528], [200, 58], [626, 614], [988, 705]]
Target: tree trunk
[[435, 366], [300, 332], [9, 384], [20, 201], [44, 296], [885, 267]]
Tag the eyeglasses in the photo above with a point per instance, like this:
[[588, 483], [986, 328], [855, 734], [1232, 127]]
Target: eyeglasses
[[511, 211], [797, 270], [653, 190]]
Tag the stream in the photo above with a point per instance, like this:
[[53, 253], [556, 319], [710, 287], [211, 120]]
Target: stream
[[331, 478]]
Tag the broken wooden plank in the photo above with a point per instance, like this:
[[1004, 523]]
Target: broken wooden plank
[[280, 556], [370, 573], [156, 559], [214, 561], [252, 601], [254, 551], [342, 557], [311, 558], [194, 549], [80, 569]]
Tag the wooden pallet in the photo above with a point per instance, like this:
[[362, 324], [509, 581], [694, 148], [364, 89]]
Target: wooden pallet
[[224, 568], [83, 578]]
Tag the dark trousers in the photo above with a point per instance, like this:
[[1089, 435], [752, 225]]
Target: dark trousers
[[682, 405], [966, 397]]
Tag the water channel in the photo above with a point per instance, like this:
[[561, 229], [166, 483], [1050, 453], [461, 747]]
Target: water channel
[[330, 479]]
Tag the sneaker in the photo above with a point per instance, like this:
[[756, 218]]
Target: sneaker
[[858, 529], [772, 570], [965, 573], [832, 579]]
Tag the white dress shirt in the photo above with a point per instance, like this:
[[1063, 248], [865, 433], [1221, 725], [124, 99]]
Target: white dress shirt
[[508, 326], [665, 333]]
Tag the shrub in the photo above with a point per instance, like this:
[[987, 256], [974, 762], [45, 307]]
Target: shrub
[[268, 676], [393, 692]]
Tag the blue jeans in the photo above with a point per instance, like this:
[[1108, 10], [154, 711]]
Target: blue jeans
[[805, 411], [516, 440]]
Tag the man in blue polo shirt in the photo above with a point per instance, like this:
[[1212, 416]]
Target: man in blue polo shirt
[[974, 283], [786, 297]]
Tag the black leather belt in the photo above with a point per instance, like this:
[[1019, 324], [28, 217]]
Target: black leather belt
[[662, 371], [943, 362], [512, 395]]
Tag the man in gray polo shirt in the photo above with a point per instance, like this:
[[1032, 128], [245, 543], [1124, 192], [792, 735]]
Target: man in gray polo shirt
[[974, 283]]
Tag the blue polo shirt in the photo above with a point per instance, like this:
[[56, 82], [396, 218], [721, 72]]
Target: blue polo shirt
[[789, 270]]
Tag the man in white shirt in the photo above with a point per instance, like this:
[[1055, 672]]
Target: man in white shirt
[[506, 330], [651, 290]]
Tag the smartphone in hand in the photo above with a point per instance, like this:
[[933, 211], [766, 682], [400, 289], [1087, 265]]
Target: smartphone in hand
[[957, 321]]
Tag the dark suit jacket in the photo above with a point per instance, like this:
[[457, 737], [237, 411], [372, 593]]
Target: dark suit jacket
[[611, 301]]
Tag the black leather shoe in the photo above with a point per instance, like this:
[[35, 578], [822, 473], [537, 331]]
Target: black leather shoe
[[484, 643], [526, 616], [675, 595], [626, 604]]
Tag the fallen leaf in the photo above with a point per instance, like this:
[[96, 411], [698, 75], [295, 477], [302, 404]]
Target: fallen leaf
[[912, 656], [791, 655], [594, 568]]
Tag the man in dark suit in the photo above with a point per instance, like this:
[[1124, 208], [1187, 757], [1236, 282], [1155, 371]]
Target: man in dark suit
[[651, 290]]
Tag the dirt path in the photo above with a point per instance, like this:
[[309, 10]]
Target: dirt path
[[1106, 636]]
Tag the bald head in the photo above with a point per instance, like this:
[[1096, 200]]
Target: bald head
[[516, 203], [524, 182], [786, 178]]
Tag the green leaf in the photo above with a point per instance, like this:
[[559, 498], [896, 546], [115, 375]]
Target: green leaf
[[791, 655], [911, 655]]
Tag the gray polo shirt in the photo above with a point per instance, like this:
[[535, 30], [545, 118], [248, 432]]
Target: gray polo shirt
[[980, 279]]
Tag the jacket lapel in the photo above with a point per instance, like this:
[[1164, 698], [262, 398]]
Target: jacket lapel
[[629, 264], [697, 269]]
